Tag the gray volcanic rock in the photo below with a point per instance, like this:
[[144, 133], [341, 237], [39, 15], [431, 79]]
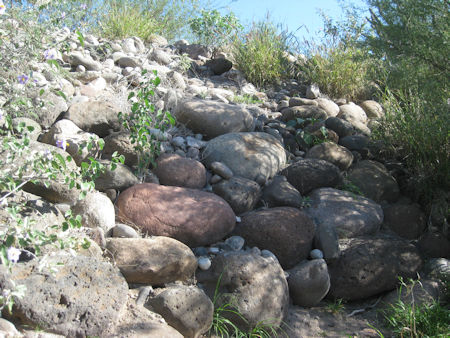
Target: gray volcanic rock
[[254, 285], [349, 214], [309, 282], [186, 308], [309, 174], [370, 266], [241, 194], [84, 297], [213, 118]]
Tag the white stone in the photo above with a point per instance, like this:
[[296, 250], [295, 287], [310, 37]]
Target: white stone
[[204, 263]]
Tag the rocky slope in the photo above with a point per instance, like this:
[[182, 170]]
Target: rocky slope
[[239, 200]]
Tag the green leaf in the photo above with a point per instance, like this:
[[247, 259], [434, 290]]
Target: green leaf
[[9, 241], [80, 37], [60, 93]]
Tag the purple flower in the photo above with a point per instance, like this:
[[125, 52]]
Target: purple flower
[[63, 15], [48, 154], [83, 7], [13, 254], [49, 54], [62, 144], [1, 115], [22, 79], [2, 8]]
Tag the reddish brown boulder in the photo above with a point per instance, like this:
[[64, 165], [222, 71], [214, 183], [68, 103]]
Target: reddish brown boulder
[[285, 231], [191, 216], [172, 169]]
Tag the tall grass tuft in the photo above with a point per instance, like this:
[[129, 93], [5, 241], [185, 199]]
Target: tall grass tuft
[[418, 133], [417, 320], [260, 54], [338, 63], [126, 18]]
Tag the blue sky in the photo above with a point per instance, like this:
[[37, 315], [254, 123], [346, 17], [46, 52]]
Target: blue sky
[[291, 13]]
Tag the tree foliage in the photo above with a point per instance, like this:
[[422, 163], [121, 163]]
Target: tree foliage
[[412, 36]]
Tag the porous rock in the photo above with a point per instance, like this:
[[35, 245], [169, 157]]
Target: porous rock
[[83, 298], [309, 282], [309, 174], [254, 285], [186, 308], [370, 266], [349, 214]]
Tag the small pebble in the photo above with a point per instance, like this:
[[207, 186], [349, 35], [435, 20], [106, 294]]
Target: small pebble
[[204, 263], [178, 141], [215, 179], [124, 231], [316, 254], [255, 250], [221, 169], [266, 254], [200, 251], [236, 243], [213, 250], [238, 219]]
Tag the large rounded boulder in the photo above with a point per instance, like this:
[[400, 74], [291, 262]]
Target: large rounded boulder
[[84, 297], [332, 152], [174, 170], [256, 156], [310, 173], [374, 181], [191, 216], [368, 267], [349, 214], [213, 118], [253, 285], [285, 231]]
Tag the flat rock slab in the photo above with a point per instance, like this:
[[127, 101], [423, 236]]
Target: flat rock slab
[[256, 156], [351, 215], [191, 216], [83, 298], [155, 261], [213, 118]]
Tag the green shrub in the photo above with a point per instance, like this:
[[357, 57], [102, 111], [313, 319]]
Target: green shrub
[[339, 65], [339, 71], [417, 133], [213, 29], [260, 54], [126, 18]]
